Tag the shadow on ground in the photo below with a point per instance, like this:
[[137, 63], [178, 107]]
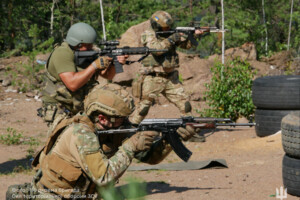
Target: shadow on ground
[[144, 189], [15, 166]]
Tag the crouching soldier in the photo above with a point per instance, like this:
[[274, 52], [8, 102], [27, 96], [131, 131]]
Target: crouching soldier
[[76, 162]]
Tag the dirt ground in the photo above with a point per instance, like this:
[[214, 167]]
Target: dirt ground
[[254, 164]]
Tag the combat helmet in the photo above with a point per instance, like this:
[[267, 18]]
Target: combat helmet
[[81, 33], [110, 99], [161, 19]]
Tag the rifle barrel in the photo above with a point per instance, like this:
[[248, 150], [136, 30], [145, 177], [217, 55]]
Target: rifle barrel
[[158, 50], [236, 124]]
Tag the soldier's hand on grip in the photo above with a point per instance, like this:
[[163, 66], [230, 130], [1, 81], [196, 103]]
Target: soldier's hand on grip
[[102, 62], [122, 59], [186, 133], [142, 141], [174, 38]]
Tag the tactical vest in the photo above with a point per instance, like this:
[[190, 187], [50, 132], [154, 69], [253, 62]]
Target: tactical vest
[[55, 92], [167, 60], [58, 175]]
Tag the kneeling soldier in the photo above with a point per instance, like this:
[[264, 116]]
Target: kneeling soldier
[[76, 162]]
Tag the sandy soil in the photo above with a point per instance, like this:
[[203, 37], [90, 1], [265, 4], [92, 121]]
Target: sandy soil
[[254, 164]]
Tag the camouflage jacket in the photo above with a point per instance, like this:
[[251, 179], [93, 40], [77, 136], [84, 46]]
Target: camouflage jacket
[[161, 62], [79, 159]]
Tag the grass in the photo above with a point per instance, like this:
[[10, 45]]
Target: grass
[[14, 137]]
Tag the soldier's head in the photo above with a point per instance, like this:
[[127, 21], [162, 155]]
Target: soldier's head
[[161, 20], [81, 36], [108, 106]]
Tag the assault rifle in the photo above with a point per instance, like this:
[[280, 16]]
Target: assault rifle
[[168, 129], [190, 32], [85, 58]]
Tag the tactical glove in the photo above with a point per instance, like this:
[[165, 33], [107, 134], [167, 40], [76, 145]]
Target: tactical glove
[[186, 133], [174, 38], [141, 141], [102, 62]]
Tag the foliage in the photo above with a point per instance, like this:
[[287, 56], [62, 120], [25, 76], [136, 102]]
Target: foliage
[[26, 24], [135, 189], [13, 137], [229, 92]]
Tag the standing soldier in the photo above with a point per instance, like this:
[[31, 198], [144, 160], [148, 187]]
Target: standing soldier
[[67, 84], [159, 73], [77, 162]]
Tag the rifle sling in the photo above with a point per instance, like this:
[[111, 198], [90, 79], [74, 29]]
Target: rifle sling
[[128, 62]]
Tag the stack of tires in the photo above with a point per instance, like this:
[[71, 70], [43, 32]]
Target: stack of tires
[[290, 129], [274, 98]]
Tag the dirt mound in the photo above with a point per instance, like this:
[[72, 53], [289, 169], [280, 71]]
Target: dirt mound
[[194, 71], [132, 36]]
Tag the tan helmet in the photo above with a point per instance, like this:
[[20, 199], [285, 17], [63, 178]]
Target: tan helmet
[[110, 99], [161, 19]]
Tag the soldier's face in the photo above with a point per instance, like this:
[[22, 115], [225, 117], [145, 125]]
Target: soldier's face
[[110, 122], [85, 46]]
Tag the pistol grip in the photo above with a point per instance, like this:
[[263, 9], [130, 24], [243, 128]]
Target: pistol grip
[[118, 66]]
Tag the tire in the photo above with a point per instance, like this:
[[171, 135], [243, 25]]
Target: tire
[[268, 122], [290, 130], [277, 92], [291, 175]]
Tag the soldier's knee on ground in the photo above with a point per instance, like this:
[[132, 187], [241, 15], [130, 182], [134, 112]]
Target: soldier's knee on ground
[[18, 192]]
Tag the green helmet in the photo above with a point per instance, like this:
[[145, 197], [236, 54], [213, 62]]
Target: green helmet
[[110, 100], [81, 33], [161, 19]]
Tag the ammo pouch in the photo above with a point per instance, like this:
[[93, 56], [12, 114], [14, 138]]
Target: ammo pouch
[[166, 60], [47, 112], [56, 92], [137, 87]]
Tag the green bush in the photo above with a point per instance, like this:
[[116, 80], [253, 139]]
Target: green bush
[[135, 189], [11, 138], [229, 92], [14, 137]]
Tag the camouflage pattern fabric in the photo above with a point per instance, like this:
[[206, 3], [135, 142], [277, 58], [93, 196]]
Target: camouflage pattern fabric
[[96, 164], [80, 159], [170, 87], [52, 114], [27, 191], [161, 76], [159, 62], [101, 159]]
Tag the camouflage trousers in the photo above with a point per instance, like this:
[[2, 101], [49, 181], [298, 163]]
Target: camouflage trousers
[[167, 85], [28, 191]]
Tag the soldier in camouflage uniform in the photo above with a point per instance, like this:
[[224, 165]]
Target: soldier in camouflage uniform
[[159, 73], [67, 84], [77, 162]]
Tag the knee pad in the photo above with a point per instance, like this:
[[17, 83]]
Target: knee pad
[[144, 111]]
